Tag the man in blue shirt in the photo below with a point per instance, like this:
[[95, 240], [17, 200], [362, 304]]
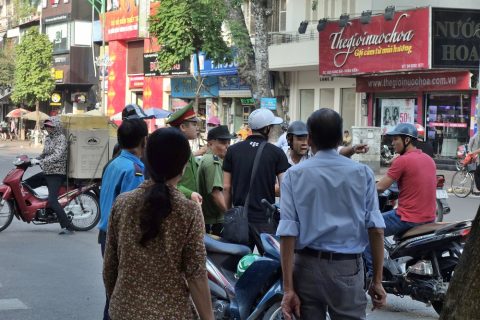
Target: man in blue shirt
[[122, 174], [328, 203]]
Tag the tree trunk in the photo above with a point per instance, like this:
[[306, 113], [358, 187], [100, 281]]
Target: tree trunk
[[261, 50], [463, 296], [198, 79], [241, 39]]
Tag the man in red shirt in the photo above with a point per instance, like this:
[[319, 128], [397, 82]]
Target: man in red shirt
[[415, 173]]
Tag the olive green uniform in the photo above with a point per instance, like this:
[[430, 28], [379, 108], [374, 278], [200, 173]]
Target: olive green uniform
[[188, 183], [210, 177]]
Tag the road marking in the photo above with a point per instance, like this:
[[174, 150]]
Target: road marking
[[12, 304]]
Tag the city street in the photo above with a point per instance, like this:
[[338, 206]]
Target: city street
[[47, 276]]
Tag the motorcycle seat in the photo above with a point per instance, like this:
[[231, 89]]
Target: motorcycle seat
[[421, 230], [217, 246]]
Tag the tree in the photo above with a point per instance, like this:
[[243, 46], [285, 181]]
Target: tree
[[463, 293], [7, 67], [188, 27], [33, 76]]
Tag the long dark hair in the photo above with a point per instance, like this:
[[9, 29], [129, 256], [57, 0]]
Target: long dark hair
[[166, 154]]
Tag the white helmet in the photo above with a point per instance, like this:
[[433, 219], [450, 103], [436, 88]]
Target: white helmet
[[260, 118]]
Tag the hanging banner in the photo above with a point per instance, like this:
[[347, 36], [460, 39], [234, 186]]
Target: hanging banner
[[400, 44], [395, 111], [122, 20]]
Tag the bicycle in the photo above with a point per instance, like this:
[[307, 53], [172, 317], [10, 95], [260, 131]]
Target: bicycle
[[463, 180]]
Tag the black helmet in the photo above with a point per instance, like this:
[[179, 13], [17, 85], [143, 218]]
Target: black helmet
[[404, 129], [297, 128], [133, 111]]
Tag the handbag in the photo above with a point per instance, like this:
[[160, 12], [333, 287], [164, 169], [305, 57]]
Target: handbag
[[235, 222]]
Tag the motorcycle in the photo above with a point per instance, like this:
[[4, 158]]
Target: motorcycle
[[18, 199], [442, 206], [257, 293], [421, 261]]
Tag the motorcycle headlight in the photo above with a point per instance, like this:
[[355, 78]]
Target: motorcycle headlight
[[422, 268]]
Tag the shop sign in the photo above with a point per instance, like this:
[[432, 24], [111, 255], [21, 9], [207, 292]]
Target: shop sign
[[56, 19], [61, 60], [455, 38], [448, 124], [438, 81], [396, 111], [122, 21], [233, 86], [136, 82], [56, 99], [209, 68], [247, 101], [57, 75], [269, 103], [151, 70], [187, 87], [380, 46]]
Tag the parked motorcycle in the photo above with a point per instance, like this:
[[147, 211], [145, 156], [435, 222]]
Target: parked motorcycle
[[18, 199], [257, 293], [420, 262], [442, 205]]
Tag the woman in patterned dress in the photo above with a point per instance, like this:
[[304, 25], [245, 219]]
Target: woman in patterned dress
[[154, 265]]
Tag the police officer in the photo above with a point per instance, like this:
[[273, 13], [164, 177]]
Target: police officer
[[210, 179], [186, 121]]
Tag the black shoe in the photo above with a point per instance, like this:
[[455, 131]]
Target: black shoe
[[66, 231]]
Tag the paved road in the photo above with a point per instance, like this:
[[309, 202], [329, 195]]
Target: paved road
[[47, 276]]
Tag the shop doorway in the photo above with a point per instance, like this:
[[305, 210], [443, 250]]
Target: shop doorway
[[447, 122]]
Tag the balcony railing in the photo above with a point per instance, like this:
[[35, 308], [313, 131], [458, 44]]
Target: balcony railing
[[277, 38]]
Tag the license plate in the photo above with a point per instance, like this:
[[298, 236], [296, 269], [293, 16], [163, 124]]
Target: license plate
[[442, 194]]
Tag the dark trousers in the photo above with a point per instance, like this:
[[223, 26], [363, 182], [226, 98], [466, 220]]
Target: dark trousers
[[255, 229], [325, 285], [102, 238], [53, 183]]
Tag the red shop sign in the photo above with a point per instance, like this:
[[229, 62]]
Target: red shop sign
[[438, 81], [136, 82], [399, 44]]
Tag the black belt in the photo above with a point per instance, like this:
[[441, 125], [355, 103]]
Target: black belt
[[328, 255]]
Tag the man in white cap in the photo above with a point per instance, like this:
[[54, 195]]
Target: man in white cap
[[237, 170]]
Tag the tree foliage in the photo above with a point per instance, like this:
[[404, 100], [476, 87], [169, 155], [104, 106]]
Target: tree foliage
[[33, 77], [7, 67], [185, 27]]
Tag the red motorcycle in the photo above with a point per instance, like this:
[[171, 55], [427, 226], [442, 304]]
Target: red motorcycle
[[18, 199]]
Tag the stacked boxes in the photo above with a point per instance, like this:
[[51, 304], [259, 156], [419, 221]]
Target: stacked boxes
[[89, 141]]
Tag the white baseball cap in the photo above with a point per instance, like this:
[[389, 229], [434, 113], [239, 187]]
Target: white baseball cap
[[260, 118]]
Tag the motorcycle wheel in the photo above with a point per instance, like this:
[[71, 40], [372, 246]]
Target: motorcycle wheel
[[84, 211], [447, 267], [6, 215], [439, 211]]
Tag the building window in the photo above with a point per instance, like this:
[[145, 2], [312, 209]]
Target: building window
[[307, 101], [327, 98], [282, 16], [58, 35], [82, 33], [135, 57]]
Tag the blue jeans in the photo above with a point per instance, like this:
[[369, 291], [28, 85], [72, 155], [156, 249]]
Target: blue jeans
[[393, 226]]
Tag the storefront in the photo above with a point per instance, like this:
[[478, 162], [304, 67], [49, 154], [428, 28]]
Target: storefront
[[404, 76], [443, 102], [233, 101]]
